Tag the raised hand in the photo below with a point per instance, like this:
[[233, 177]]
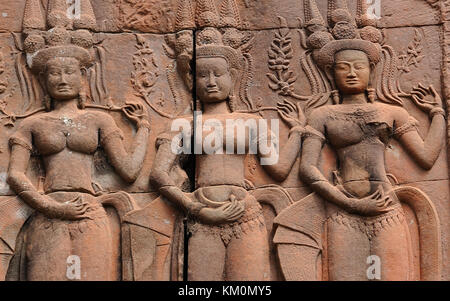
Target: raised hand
[[135, 112], [426, 99], [291, 113]]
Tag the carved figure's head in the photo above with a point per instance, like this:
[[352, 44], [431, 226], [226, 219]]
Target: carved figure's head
[[58, 42], [350, 62], [60, 55], [217, 66], [327, 55], [217, 69], [214, 79], [346, 53], [60, 58], [189, 16], [63, 78], [352, 71]]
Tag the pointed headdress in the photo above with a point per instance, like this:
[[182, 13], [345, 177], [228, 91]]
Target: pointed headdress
[[213, 43], [345, 35], [41, 45]]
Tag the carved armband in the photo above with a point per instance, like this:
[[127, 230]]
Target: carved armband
[[22, 137], [117, 133], [21, 142], [409, 126]]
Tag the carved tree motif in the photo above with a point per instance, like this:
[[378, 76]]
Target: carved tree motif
[[410, 58], [145, 76], [280, 55], [146, 70]]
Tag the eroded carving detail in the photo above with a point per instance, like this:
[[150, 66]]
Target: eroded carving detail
[[361, 208], [69, 218], [356, 211], [146, 15], [224, 216], [6, 92]]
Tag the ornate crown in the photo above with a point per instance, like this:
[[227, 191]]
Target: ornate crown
[[58, 41], [224, 42], [210, 44], [345, 33]]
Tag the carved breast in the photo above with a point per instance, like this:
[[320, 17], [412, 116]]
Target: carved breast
[[236, 128], [51, 135], [347, 126]]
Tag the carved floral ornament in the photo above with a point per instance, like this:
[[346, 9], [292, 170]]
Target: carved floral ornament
[[233, 206]]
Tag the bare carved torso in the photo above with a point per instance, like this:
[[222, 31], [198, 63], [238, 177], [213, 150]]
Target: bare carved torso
[[225, 169], [67, 143], [359, 134]]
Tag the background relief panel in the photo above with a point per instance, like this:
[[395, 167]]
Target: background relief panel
[[103, 105]]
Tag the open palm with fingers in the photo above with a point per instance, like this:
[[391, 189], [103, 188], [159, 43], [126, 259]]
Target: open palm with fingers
[[426, 99], [291, 113]]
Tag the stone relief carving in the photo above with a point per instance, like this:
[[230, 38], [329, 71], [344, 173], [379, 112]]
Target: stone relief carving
[[348, 99], [146, 15], [6, 91], [225, 219], [69, 218], [362, 207]]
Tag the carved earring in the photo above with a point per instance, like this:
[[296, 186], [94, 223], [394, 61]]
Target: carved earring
[[231, 103], [371, 95], [47, 102], [336, 97], [82, 100]]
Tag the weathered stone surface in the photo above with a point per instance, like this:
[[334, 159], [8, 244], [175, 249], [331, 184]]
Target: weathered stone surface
[[94, 94], [159, 16], [438, 193]]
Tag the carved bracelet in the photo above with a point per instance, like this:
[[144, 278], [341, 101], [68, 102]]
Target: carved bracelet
[[145, 124], [298, 128], [436, 111], [194, 208], [45, 205]]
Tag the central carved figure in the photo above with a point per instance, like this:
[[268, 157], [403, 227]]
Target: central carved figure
[[225, 220]]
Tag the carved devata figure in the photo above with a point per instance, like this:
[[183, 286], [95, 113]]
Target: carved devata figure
[[228, 233], [359, 215], [69, 218]]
